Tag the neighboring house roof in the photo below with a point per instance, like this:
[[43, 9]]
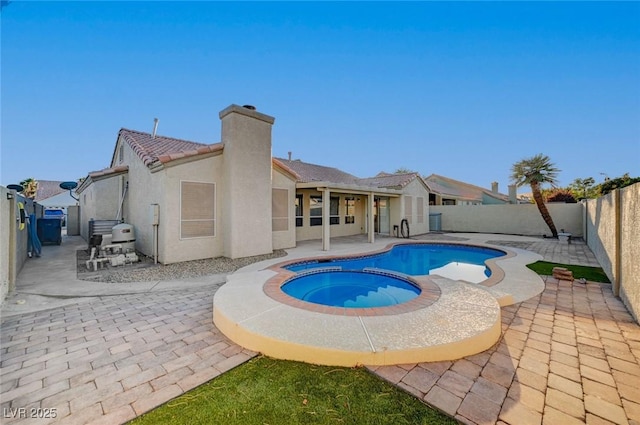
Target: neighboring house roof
[[447, 187], [47, 189], [306, 172], [395, 181], [161, 149]]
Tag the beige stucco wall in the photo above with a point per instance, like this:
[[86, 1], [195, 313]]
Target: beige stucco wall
[[73, 220], [100, 201], [416, 190], [7, 226], [173, 248], [617, 246], [285, 239], [246, 135], [163, 188], [514, 219]]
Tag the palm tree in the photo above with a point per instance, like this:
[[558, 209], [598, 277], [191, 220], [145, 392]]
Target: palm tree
[[30, 187], [534, 172]]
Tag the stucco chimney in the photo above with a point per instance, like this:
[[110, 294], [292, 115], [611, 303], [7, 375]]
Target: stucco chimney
[[289, 155], [494, 187], [246, 182], [513, 194]]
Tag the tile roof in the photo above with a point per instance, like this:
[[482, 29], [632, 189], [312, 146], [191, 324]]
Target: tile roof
[[109, 171], [317, 173], [47, 189], [306, 172], [163, 149], [457, 189], [389, 180]]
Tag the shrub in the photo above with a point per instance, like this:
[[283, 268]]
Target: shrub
[[562, 195]]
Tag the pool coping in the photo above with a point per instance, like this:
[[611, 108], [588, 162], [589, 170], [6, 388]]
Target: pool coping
[[467, 316]]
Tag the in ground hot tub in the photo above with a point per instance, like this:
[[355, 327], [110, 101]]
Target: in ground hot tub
[[351, 289]]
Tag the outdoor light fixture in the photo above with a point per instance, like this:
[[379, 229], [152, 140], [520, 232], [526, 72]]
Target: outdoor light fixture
[[16, 187]]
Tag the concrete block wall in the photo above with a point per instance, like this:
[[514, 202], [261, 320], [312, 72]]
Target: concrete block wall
[[510, 219], [612, 225]]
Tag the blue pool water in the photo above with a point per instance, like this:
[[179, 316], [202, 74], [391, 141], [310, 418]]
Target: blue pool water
[[346, 282], [351, 289], [451, 261]]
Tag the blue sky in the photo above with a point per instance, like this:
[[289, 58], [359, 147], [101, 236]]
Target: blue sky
[[458, 89]]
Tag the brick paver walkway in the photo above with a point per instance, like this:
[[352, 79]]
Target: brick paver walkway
[[568, 356], [110, 360]]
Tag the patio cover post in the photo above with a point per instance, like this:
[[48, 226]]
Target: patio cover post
[[326, 228], [370, 224]]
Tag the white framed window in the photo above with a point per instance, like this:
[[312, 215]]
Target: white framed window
[[315, 211], [197, 210], [299, 211], [420, 208], [350, 210], [334, 210]]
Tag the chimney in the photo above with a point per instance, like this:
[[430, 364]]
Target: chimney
[[289, 155], [246, 135], [494, 187], [155, 127], [513, 194]]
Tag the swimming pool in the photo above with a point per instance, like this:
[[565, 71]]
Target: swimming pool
[[351, 289], [457, 262]]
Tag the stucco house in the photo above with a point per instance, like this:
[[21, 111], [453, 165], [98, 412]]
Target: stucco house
[[447, 191], [234, 199]]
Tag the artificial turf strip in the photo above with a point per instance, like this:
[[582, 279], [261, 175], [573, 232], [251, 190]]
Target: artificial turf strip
[[593, 274], [267, 391]]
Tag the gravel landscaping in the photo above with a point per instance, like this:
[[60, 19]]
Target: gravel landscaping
[[146, 270]]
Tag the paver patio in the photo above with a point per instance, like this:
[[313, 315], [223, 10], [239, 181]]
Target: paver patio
[[569, 355]]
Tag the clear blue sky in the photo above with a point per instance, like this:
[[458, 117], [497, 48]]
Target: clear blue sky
[[458, 89]]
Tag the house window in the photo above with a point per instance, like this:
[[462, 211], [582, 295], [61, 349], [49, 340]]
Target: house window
[[350, 207], [334, 211], [121, 153], [197, 210], [448, 201], [420, 207], [279, 210], [408, 208], [315, 210], [299, 211]]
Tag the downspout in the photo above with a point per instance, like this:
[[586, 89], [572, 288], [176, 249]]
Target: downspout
[[126, 187]]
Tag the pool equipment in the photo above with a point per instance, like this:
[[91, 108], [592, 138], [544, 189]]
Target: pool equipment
[[116, 249], [124, 235]]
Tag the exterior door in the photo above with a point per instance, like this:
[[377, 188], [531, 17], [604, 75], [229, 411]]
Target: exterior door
[[381, 218]]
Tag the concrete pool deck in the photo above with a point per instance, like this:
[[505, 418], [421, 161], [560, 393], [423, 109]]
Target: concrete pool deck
[[463, 320]]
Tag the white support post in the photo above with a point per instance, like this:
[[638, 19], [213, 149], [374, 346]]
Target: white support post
[[326, 226], [371, 224]]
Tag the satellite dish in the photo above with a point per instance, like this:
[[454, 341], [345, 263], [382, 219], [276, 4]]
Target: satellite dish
[[15, 187], [68, 185]]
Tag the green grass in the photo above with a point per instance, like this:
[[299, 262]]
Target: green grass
[[594, 274], [267, 391]]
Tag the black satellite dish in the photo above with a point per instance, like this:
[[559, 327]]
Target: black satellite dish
[[68, 185], [15, 187]]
